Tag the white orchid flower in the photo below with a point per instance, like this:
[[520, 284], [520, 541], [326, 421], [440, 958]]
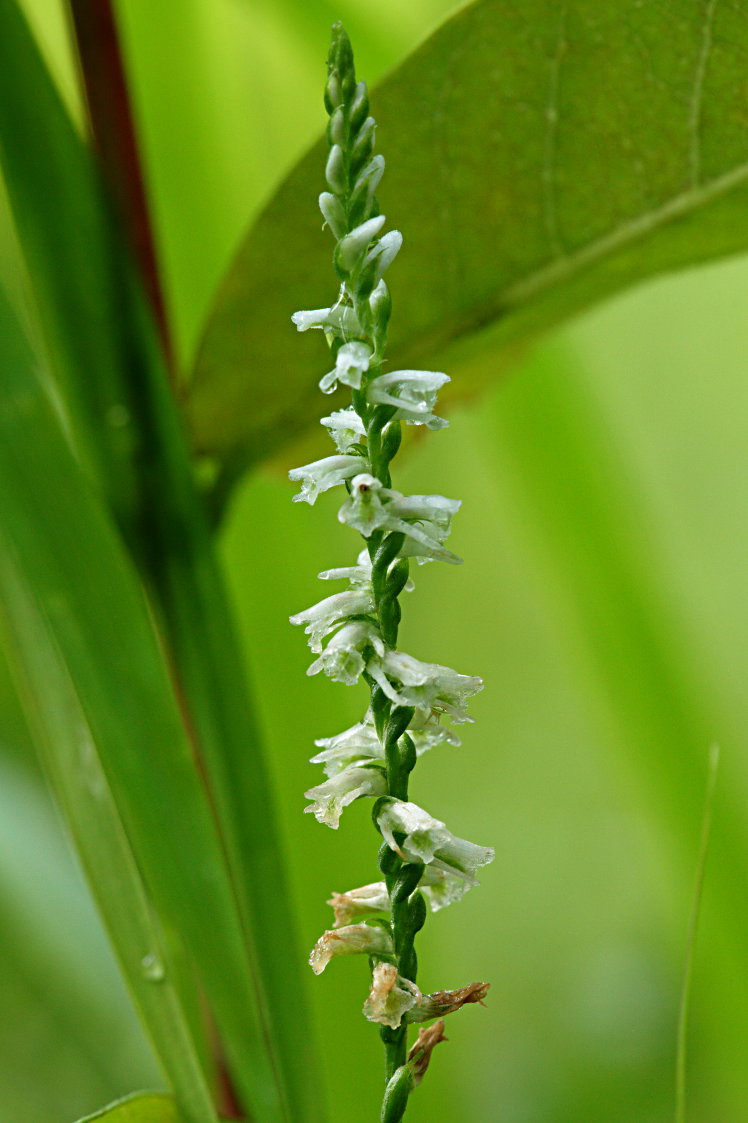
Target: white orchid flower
[[323, 617], [359, 902], [438, 887], [340, 319], [427, 840], [412, 392], [423, 519], [355, 939], [360, 741], [351, 362], [343, 660], [429, 687], [323, 474], [331, 798], [345, 427]]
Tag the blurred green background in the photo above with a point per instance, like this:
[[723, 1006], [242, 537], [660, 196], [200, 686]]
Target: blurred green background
[[605, 484]]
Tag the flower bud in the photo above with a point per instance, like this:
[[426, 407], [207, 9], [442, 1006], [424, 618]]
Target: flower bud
[[353, 246], [380, 303], [335, 170], [399, 1087], [332, 93], [333, 213], [363, 146], [336, 130], [359, 107]]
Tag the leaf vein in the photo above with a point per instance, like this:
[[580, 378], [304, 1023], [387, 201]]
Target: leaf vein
[[623, 235], [550, 144], [696, 104]]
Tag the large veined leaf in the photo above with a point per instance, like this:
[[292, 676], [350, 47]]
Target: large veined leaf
[[138, 1109], [540, 156]]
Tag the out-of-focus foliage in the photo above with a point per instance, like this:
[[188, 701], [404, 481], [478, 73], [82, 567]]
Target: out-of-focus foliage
[[526, 186], [603, 600], [137, 1109]]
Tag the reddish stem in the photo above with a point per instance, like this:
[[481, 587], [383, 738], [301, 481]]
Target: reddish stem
[[115, 140]]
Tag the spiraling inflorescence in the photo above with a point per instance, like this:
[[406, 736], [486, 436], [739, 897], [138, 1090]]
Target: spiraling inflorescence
[[354, 633]]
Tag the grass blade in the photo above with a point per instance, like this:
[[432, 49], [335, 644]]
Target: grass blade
[[143, 1108], [693, 923], [97, 318], [69, 585]]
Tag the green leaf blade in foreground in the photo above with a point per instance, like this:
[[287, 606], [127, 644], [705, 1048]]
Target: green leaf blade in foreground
[[539, 157], [113, 382], [143, 1108], [95, 673]]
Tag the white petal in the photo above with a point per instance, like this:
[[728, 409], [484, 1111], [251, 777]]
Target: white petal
[[334, 795], [359, 902], [339, 318], [428, 840], [345, 427], [323, 474], [367, 939]]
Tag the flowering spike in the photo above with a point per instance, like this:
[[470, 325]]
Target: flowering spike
[[354, 632]]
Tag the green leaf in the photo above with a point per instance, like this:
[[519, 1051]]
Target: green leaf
[[98, 690], [140, 1108], [539, 157], [69, 245], [95, 321]]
